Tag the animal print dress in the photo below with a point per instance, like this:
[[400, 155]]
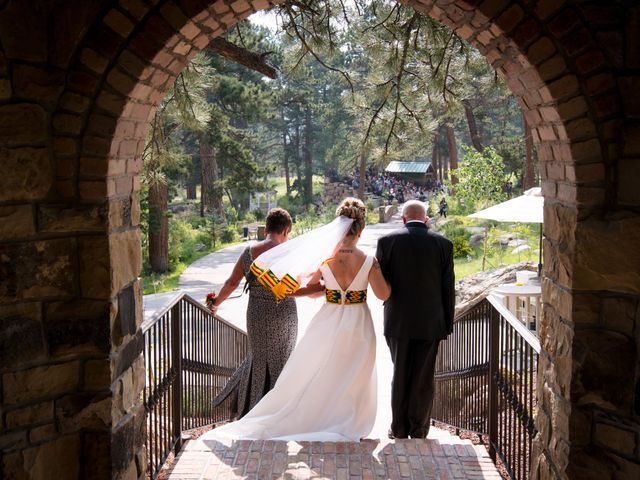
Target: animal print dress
[[272, 330]]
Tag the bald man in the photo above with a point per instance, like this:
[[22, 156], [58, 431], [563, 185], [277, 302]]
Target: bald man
[[418, 264]]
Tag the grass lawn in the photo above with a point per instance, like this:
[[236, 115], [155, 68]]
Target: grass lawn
[[281, 187], [468, 266]]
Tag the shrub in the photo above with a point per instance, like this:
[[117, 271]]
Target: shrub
[[182, 238], [228, 234], [454, 228], [259, 214], [461, 247]]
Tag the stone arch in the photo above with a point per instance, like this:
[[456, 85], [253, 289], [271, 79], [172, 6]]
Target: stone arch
[[83, 107]]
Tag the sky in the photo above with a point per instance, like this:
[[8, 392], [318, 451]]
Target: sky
[[266, 19]]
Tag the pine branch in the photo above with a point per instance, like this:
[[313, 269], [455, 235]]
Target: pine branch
[[312, 52], [403, 60], [413, 115], [243, 56], [375, 116], [382, 22]]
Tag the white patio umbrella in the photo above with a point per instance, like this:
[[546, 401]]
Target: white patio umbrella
[[527, 208]]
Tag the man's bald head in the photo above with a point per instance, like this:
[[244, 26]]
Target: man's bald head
[[414, 210]]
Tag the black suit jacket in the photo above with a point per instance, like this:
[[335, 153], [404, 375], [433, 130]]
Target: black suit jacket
[[418, 264]]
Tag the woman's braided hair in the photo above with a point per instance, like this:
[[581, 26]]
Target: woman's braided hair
[[353, 208]]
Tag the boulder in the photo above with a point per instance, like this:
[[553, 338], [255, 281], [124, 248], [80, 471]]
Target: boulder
[[521, 249], [516, 242], [476, 239], [505, 238]]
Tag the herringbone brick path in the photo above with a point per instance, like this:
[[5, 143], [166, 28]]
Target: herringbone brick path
[[441, 456]]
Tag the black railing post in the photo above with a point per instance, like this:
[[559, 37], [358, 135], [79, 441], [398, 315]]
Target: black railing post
[[494, 341], [176, 361]]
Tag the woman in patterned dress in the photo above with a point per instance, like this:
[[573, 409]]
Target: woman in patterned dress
[[327, 391], [272, 327]]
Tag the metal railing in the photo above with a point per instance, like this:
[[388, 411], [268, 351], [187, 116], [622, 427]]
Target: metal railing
[[189, 356], [485, 382]]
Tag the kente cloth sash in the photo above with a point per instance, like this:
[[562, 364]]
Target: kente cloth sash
[[350, 296], [287, 267]]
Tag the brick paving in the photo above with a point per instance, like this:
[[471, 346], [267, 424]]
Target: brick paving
[[441, 456]]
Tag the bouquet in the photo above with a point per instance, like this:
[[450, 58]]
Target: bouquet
[[209, 301]]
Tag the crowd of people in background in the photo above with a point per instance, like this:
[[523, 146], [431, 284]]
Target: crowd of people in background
[[391, 187]]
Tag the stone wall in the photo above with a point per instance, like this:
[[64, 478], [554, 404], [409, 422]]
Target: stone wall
[[385, 212], [79, 82], [335, 192]]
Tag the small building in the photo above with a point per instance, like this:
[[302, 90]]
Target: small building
[[263, 201], [419, 172]]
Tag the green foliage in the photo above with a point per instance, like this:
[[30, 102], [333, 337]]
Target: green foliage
[[258, 214], [455, 231], [481, 177], [461, 247], [182, 239], [366, 76], [184, 234]]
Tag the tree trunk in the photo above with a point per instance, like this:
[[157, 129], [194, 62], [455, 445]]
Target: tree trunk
[[528, 180], [308, 159], [363, 177], [210, 197], [435, 163], [297, 153], [285, 151], [453, 152], [192, 183], [158, 227], [476, 137], [191, 189]]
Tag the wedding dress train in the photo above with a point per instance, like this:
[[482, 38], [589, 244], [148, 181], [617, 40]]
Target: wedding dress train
[[327, 390]]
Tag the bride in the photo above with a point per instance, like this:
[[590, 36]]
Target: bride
[[327, 390]]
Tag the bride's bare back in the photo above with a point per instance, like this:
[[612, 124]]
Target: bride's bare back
[[346, 264]]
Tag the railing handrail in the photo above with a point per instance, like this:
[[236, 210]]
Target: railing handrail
[[147, 324], [486, 381], [189, 353], [524, 332]]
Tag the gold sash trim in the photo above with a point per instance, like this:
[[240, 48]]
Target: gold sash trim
[[351, 297], [281, 288]]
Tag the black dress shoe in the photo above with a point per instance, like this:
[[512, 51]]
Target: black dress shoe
[[419, 433], [390, 434]]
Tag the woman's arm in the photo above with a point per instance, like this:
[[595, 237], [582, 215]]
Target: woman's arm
[[229, 285], [314, 288], [379, 285]]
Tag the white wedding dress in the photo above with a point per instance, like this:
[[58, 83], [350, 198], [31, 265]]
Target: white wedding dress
[[327, 390]]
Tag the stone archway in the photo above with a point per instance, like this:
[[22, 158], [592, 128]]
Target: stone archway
[[78, 84]]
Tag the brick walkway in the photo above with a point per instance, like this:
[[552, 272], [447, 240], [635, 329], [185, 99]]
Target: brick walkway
[[441, 456]]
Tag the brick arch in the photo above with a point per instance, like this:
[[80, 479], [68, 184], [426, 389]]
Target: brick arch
[[552, 79], [555, 62]]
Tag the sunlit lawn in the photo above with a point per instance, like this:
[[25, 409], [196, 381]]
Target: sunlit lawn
[[281, 187], [468, 266]]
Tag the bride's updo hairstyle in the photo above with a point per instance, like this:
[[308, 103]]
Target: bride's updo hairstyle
[[353, 208]]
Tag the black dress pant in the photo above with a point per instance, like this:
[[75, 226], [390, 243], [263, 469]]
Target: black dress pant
[[412, 388]]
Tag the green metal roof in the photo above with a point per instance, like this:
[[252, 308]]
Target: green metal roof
[[408, 167]]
